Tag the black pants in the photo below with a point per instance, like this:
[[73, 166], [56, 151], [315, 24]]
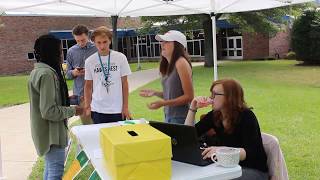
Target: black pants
[[105, 118]]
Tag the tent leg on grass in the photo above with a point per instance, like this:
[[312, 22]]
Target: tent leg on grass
[[214, 47]]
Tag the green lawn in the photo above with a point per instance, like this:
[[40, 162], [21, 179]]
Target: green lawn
[[144, 65], [285, 98], [13, 89]]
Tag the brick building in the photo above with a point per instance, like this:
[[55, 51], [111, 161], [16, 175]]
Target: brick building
[[18, 34], [252, 45], [279, 45]]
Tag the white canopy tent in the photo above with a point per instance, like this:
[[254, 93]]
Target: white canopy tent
[[123, 8]]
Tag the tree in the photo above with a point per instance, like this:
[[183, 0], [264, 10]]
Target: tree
[[306, 37], [266, 22]]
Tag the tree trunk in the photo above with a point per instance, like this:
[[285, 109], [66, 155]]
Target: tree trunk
[[207, 29], [129, 56]]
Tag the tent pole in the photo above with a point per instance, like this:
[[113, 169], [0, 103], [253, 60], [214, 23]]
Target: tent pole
[[138, 54], [214, 47], [114, 33]]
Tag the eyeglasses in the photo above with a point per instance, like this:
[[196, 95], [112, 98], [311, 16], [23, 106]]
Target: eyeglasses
[[214, 94]]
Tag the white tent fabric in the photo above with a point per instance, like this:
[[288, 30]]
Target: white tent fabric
[[122, 8], [106, 8]]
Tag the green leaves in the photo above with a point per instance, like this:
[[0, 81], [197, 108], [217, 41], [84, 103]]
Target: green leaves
[[182, 23], [306, 37], [268, 22]]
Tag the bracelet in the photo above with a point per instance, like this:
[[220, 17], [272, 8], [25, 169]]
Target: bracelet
[[193, 110]]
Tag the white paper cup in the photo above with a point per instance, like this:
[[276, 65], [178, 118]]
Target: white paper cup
[[226, 157]]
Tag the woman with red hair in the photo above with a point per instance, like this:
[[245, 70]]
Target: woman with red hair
[[235, 126]]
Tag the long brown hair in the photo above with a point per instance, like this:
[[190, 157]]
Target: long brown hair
[[234, 103], [178, 51]]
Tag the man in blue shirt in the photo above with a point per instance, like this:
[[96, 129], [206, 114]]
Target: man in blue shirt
[[76, 57]]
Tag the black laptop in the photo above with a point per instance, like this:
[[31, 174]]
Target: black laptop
[[185, 144]]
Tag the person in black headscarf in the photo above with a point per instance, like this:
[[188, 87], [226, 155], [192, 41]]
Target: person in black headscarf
[[49, 106]]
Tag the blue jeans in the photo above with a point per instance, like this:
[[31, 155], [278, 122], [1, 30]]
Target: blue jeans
[[175, 120], [54, 163], [74, 100]]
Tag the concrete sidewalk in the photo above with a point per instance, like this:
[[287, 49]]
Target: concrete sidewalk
[[18, 152]]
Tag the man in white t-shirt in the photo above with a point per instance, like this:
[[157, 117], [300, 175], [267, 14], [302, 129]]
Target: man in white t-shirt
[[106, 88]]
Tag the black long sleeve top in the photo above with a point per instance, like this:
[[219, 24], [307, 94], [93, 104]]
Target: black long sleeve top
[[246, 135]]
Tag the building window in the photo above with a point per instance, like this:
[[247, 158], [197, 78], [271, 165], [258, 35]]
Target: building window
[[231, 44], [149, 47], [66, 44], [31, 56], [195, 42]]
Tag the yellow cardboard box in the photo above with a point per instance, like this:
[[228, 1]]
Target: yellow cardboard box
[[136, 152]]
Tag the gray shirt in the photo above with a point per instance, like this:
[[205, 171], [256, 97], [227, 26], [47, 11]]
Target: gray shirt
[[76, 57], [172, 88]]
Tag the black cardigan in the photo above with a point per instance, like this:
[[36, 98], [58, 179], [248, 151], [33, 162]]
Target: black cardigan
[[245, 135]]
